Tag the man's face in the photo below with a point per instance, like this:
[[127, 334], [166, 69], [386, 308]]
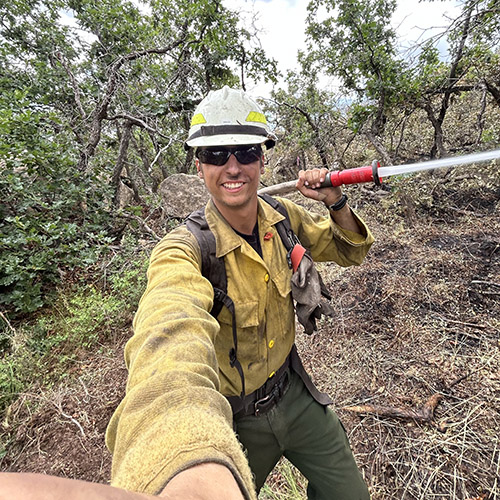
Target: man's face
[[233, 184]]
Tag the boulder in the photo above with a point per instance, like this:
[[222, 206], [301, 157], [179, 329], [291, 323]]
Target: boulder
[[183, 193]]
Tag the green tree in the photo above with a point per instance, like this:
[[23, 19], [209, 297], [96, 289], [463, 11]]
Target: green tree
[[472, 68], [105, 91], [356, 44]]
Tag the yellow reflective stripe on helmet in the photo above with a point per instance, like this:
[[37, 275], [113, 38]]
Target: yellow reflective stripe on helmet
[[198, 119], [255, 116]]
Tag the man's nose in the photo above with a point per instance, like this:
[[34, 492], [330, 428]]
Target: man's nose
[[233, 165]]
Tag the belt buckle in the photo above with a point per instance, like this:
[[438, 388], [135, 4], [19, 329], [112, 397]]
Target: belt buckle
[[263, 401]]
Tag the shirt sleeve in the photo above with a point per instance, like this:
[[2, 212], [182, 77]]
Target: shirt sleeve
[[173, 416], [326, 240]]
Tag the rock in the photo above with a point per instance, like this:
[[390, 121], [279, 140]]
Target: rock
[[183, 193]]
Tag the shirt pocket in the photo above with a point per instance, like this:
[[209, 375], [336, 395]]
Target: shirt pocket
[[283, 282], [247, 324]]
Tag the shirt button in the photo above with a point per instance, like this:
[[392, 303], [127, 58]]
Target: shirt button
[[271, 344], [266, 277]]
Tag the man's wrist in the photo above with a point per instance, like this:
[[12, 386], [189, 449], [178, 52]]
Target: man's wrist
[[204, 481], [339, 204]]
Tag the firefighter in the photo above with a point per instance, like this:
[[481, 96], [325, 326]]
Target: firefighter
[[214, 400], [192, 378]]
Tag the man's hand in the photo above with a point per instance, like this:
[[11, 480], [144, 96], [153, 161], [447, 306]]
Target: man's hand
[[308, 184], [310, 180]]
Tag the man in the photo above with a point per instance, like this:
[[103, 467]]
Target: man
[[176, 410], [172, 435]]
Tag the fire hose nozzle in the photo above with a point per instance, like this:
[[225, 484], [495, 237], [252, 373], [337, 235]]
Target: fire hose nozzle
[[353, 176]]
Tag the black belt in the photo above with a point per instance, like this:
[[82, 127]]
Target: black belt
[[265, 397]]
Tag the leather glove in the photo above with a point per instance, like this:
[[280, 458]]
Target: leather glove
[[309, 293]]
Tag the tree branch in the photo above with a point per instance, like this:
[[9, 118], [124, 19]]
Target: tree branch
[[101, 110], [120, 161], [74, 83], [138, 122], [423, 414]]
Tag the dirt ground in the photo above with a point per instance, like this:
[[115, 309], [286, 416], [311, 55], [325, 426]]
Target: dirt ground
[[411, 358]]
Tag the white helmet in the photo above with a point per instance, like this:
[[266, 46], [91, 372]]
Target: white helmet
[[228, 117]]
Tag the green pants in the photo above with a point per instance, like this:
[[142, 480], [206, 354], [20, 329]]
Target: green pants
[[311, 437]]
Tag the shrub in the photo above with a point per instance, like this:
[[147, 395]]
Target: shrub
[[52, 217], [84, 318]]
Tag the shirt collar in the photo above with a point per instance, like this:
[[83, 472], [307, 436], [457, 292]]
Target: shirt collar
[[226, 240]]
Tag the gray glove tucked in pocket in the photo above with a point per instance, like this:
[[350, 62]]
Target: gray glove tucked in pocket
[[310, 295]]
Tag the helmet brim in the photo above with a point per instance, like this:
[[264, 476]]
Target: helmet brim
[[230, 140]]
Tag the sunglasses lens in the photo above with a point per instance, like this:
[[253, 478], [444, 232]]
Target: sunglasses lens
[[248, 155], [213, 156], [245, 155]]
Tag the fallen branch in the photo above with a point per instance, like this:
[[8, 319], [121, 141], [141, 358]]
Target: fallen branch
[[463, 323], [141, 223], [423, 414], [481, 282], [74, 420], [7, 322]]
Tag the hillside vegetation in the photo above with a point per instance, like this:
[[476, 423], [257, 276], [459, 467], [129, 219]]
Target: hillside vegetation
[[95, 103]]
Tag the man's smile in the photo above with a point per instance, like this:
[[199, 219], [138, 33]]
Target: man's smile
[[232, 185]]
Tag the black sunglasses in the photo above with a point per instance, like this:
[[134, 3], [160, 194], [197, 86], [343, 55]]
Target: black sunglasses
[[220, 155]]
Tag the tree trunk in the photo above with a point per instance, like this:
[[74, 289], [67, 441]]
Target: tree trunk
[[385, 157], [133, 186], [494, 91], [184, 169], [438, 145], [453, 78], [120, 161]]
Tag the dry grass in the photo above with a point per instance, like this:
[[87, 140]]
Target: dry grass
[[60, 430]]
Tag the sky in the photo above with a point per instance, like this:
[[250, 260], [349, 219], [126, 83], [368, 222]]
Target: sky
[[283, 24]]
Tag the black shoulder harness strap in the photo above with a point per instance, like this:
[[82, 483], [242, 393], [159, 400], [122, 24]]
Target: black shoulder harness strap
[[214, 268], [288, 237]]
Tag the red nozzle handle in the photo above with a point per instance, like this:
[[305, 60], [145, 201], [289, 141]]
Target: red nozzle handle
[[353, 176]]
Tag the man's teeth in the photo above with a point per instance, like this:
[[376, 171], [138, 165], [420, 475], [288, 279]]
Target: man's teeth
[[233, 185]]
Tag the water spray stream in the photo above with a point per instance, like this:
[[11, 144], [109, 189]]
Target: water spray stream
[[441, 163]]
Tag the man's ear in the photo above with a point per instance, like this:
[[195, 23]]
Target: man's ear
[[262, 160], [198, 168]]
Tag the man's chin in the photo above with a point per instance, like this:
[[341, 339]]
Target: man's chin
[[233, 201]]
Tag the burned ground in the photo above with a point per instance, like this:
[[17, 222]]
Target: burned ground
[[420, 318]]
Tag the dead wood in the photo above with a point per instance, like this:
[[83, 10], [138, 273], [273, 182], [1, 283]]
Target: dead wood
[[423, 414]]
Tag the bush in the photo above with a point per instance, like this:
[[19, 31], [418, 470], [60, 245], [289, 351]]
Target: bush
[[83, 319], [52, 217]]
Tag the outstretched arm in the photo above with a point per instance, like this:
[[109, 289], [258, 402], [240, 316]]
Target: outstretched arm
[[202, 482], [173, 417]]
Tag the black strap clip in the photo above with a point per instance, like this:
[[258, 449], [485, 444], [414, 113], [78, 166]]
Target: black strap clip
[[232, 357]]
